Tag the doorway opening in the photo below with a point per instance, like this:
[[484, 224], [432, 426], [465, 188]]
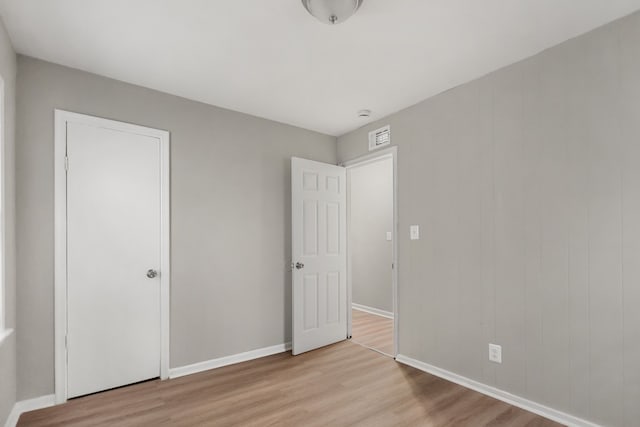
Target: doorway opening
[[372, 249], [338, 256]]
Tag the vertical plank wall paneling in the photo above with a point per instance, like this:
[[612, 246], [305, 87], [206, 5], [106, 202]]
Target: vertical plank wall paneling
[[629, 115], [526, 185], [7, 127]]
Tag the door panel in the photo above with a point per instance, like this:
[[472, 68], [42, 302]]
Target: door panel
[[310, 308], [310, 227], [113, 238], [333, 228], [319, 243]]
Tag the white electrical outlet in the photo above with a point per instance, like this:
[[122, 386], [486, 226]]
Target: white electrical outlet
[[389, 236], [495, 353], [414, 232]]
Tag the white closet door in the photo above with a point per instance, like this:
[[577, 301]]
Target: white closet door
[[113, 257]]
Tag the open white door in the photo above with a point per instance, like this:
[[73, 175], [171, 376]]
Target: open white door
[[319, 233]]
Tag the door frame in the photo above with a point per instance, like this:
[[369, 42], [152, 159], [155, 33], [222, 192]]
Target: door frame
[[392, 153], [60, 237]]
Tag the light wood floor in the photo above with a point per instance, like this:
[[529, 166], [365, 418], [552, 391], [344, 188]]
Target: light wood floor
[[340, 385], [372, 331]]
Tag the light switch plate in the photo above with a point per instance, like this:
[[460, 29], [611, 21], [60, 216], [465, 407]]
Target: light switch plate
[[389, 237], [414, 232], [495, 353]]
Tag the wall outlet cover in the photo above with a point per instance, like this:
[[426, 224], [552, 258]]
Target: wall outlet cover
[[414, 232], [495, 353]]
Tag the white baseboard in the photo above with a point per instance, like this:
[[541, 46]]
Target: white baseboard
[[228, 360], [371, 310], [50, 400], [29, 405], [561, 417], [512, 399]]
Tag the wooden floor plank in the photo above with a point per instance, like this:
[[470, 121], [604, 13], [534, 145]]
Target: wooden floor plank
[[372, 331], [340, 385]]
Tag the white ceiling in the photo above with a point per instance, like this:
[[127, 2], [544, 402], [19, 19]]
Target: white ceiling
[[271, 59]]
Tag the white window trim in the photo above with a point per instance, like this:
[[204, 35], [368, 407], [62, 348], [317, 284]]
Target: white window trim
[[5, 334], [4, 331]]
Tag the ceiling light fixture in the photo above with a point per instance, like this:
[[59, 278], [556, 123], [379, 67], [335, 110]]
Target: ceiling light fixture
[[332, 11], [364, 113]]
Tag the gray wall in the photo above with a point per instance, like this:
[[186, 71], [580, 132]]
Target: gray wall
[[8, 347], [526, 184], [230, 230], [370, 218]]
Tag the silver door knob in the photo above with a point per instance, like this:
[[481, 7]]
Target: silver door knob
[[151, 273], [299, 265]]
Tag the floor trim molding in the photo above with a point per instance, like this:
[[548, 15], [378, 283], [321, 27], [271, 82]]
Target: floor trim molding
[[29, 405], [372, 310], [512, 399], [228, 360], [50, 400]]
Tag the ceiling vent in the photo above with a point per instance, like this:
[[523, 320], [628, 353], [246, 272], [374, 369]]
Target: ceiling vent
[[379, 138]]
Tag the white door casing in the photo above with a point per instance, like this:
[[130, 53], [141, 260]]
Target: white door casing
[[391, 152], [319, 254], [112, 207]]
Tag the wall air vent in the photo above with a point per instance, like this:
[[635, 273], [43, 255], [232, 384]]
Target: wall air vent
[[379, 138]]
